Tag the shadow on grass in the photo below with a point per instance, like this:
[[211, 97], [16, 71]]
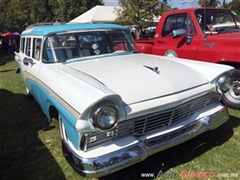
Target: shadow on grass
[[175, 156], [23, 155], [10, 70], [5, 57]]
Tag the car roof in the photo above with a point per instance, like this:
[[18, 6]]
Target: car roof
[[50, 29]]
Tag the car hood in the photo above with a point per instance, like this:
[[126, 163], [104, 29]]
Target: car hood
[[140, 77]]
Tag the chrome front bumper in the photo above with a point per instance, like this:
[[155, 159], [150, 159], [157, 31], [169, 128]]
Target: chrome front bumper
[[112, 162]]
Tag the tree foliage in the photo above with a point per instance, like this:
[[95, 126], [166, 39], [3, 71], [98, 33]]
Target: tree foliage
[[235, 6], [16, 15], [209, 3], [140, 12], [230, 4]]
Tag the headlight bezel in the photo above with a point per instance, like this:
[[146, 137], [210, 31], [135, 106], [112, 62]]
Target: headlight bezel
[[97, 114], [224, 82]]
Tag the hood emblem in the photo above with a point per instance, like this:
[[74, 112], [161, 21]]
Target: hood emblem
[[155, 69]]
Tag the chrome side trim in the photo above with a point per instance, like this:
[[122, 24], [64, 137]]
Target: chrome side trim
[[109, 163]]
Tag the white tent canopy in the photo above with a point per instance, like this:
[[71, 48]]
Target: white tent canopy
[[107, 14], [101, 14]]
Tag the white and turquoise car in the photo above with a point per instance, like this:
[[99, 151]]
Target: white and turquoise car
[[115, 106]]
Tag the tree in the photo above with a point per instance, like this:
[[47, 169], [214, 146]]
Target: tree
[[230, 4], [140, 12], [67, 10], [209, 3], [16, 15], [3, 5], [234, 5]]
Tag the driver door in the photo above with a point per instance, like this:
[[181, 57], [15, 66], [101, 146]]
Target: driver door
[[171, 47]]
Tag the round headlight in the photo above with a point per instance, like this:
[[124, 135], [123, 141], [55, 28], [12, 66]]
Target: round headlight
[[224, 82], [105, 118]]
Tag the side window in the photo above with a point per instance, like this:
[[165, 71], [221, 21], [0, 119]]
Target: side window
[[93, 44], [28, 47], [47, 51], [179, 21], [22, 44], [119, 41], [36, 48]]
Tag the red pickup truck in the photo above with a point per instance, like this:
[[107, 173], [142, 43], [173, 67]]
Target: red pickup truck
[[203, 34]]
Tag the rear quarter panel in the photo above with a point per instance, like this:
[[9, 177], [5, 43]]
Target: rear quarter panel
[[145, 45]]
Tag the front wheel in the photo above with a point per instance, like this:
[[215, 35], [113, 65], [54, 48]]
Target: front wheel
[[232, 97]]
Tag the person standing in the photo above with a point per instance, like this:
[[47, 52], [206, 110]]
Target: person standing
[[11, 43], [5, 45], [57, 22]]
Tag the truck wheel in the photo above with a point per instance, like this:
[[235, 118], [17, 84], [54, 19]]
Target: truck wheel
[[232, 97]]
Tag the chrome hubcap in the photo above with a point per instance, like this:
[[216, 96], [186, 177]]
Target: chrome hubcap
[[234, 91]]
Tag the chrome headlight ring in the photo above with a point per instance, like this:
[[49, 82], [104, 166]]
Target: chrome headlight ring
[[105, 117], [224, 83]]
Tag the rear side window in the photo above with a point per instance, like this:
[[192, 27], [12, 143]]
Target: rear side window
[[22, 44], [27, 50], [36, 50]]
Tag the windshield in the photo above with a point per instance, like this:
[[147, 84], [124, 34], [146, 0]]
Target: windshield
[[65, 46], [213, 21]]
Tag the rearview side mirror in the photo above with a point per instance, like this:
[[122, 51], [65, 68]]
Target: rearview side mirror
[[178, 33]]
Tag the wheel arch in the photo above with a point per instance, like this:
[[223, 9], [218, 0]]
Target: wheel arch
[[53, 112], [231, 98], [236, 65]]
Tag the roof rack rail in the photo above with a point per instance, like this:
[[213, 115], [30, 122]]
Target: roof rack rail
[[43, 24]]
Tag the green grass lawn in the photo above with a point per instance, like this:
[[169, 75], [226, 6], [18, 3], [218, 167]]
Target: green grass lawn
[[30, 149]]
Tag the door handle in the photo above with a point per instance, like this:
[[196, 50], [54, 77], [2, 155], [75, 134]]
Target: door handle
[[161, 41], [27, 61]]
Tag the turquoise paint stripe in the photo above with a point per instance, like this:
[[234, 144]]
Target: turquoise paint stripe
[[45, 100]]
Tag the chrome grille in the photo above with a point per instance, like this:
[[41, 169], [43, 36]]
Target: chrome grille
[[162, 119], [152, 122], [149, 123]]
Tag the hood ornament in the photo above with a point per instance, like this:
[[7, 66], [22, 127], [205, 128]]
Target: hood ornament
[[155, 69]]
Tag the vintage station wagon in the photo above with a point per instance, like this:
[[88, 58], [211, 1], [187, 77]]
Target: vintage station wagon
[[115, 106]]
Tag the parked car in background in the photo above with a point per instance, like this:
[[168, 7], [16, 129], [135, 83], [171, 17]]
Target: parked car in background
[[202, 34], [149, 33], [115, 106]]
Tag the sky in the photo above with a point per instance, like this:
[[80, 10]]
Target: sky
[[172, 3]]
